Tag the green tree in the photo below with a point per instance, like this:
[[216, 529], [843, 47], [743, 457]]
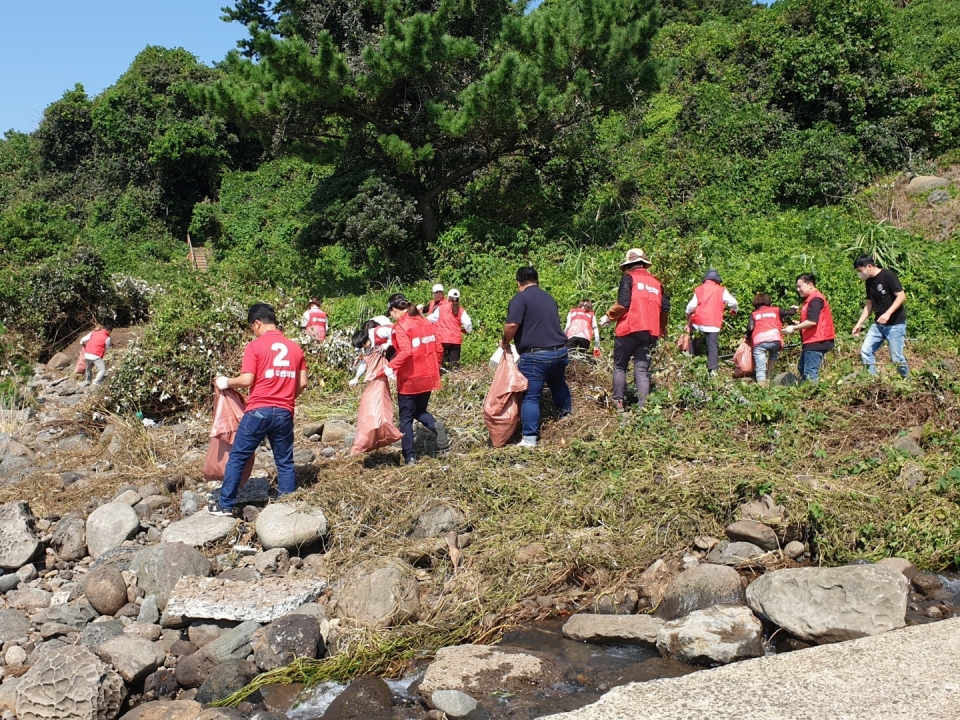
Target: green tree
[[429, 93]]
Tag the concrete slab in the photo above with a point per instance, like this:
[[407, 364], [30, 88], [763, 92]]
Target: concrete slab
[[909, 673]]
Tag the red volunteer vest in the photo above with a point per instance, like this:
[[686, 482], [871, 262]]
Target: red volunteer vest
[[380, 341], [766, 325], [646, 297], [581, 323], [317, 321], [434, 304], [448, 326], [823, 330], [709, 310], [420, 371], [97, 344]]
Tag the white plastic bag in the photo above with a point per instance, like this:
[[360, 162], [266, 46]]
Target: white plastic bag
[[498, 355]]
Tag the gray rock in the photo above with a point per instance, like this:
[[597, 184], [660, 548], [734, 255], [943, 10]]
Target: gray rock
[[13, 469], [619, 629], [105, 590], [132, 657], [70, 537], [29, 599], [825, 605], [75, 443], [480, 670], [225, 679], [275, 561], [27, 573], [335, 431], [147, 631], [255, 491], [8, 582], [244, 574], [290, 526], [149, 610], [199, 529], [938, 197], [785, 379], [190, 503], [146, 491], [365, 698], [794, 549], [453, 703], [304, 457], [719, 634], [751, 531], [73, 617], [128, 497], [108, 526], [699, 588], [203, 632], [236, 644], [923, 184], [159, 567], [18, 543], [912, 475], [311, 429], [733, 553], [99, 632], [291, 636], [907, 445], [437, 522], [70, 682], [13, 624], [380, 593], [9, 447], [219, 599], [162, 685], [119, 558], [60, 361]]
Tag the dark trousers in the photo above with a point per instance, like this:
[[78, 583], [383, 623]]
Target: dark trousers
[[413, 407], [713, 350], [451, 355], [578, 343], [635, 346], [275, 424]]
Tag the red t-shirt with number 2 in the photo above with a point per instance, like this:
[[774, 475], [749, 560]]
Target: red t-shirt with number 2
[[276, 363]]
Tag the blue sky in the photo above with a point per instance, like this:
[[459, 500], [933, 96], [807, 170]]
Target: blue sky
[[50, 45]]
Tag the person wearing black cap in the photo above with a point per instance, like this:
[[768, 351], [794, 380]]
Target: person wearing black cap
[[705, 313]]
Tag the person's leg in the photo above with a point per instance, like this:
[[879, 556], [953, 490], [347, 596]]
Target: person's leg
[[420, 412], [871, 343], [641, 371], [249, 435], [407, 405], [454, 356], [534, 371], [773, 352], [713, 350], [88, 372], [621, 359], [556, 379], [578, 343], [760, 362], [811, 365], [280, 434], [896, 339], [801, 364], [101, 366]]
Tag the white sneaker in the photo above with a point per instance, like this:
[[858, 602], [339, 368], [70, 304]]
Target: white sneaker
[[528, 441]]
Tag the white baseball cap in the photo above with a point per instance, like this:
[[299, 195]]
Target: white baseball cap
[[438, 288], [454, 293]]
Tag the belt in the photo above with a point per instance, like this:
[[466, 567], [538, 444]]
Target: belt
[[549, 349]]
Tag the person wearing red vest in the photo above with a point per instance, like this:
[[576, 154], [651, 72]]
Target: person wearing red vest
[[641, 315], [95, 346], [581, 324], [815, 327], [437, 299], [764, 334], [416, 367], [315, 320], [705, 313], [451, 321], [274, 370]]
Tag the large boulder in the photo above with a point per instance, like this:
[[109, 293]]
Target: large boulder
[[365, 698], [131, 656], [70, 682], [655, 580], [60, 361], [199, 529], [291, 636], [754, 532], [70, 537], [108, 526], [166, 710], [290, 526], [733, 553], [764, 510], [699, 588], [479, 670], [161, 566], [620, 629], [437, 521], [225, 679], [719, 634], [825, 605], [336, 430], [192, 670], [380, 593], [263, 601], [105, 590], [18, 543], [922, 184]]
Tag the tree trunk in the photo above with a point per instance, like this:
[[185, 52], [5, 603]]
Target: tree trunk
[[428, 217]]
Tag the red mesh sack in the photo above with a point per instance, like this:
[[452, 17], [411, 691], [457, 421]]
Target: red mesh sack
[[81, 367], [501, 407], [743, 360], [228, 407], [375, 428]]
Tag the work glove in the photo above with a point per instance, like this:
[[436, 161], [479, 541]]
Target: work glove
[[789, 330], [222, 382], [596, 352], [604, 321], [391, 375], [353, 382]]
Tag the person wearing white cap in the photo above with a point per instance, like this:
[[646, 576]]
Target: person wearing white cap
[[705, 313], [437, 301], [641, 313], [451, 321]]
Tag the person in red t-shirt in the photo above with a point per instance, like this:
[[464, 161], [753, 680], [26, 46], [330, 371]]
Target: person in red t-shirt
[[416, 367], [274, 370], [95, 346]]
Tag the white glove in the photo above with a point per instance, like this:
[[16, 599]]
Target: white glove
[[222, 382], [789, 330], [604, 321], [353, 382], [391, 375]]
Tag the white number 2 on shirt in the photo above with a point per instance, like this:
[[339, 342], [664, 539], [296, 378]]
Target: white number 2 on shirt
[[281, 350]]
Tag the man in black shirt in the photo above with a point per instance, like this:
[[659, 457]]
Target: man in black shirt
[[533, 320], [885, 299]]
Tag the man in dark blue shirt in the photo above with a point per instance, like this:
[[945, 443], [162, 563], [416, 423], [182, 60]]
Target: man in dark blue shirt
[[533, 320]]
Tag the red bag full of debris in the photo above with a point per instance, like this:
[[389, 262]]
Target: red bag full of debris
[[743, 360], [81, 367], [501, 407], [228, 408], [375, 428]]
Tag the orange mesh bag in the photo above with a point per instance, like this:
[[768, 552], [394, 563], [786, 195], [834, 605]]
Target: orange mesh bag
[[501, 407], [375, 428], [743, 360], [228, 408]]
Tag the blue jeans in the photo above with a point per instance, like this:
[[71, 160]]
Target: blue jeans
[[276, 424], [548, 368], [413, 407], [895, 335], [809, 365], [760, 356]]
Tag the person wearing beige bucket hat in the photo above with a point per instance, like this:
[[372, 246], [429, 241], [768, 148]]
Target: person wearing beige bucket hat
[[640, 314]]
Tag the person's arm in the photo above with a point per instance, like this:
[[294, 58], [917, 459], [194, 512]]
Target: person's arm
[[361, 369], [305, 320], [864, 316], [403, 347], [243, 380], [109, 342], [730, 301], [85, 339], [750, 326], [596, 332], [434, 316], [566, 327], [813, 316], [509, 333], [515, 312], [301, 380], [466, 323], [898, 300], [624, 295], [691, 307], [787, 313]]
